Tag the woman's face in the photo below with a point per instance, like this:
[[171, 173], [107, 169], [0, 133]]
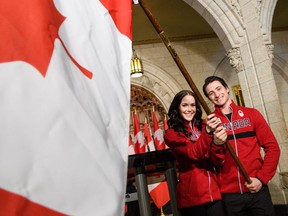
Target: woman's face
[[187, 108]]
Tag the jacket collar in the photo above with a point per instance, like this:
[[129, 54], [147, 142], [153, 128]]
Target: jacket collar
[[190, 126], [233, 107]]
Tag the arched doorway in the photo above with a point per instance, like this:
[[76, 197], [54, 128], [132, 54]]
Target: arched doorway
[[143, 102]]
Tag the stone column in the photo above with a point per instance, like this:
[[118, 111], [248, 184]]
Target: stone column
[[252, 62]]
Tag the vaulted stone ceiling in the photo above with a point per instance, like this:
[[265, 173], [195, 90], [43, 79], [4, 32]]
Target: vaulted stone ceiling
[[181, 22]]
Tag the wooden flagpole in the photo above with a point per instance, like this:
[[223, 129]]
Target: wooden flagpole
[[191, 83]]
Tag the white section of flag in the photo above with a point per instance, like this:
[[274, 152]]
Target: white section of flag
[[159, 136], [140, 138], [139, 141], [63, 141], [151, 146], [131, 150]]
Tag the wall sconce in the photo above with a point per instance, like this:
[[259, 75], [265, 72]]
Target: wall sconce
[[238, 95], [136, 68]]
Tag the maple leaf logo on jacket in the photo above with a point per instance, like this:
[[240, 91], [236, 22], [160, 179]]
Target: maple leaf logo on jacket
[[240, 112]]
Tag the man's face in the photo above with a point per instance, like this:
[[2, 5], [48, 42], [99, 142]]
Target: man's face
[[217, 93]]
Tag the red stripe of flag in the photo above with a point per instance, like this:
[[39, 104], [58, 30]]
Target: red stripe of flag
[[13, 204]]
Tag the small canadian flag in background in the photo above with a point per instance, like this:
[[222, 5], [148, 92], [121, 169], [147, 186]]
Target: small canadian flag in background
[[148, 139], [159, 193], [158, 134], [139, 145]]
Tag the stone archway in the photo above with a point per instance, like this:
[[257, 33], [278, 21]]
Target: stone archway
[[144, 103], [266, 10], [157, 81], [225, 18], [154, 90], [280, 72]]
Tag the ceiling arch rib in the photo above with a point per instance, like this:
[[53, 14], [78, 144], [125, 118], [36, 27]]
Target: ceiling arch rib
[[267, 8], [224, 18]]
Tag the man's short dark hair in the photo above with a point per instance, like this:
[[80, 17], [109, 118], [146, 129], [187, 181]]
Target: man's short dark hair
[[211, 79]]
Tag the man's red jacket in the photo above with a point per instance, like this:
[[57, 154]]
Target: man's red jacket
[[248, 132]]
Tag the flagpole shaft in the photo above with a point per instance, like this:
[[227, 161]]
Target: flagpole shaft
[[188, 78], [174, 54]]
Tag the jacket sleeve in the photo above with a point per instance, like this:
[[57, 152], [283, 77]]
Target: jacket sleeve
[[182, 145], [217, 154], [270, 145]]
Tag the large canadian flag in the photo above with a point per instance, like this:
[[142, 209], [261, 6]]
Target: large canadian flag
[[64, 107]]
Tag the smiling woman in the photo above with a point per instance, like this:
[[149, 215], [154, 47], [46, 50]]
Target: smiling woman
[[187, 108], [192, 145]]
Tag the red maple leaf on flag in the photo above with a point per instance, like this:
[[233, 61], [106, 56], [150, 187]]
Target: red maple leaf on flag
[[28, 31], [119, 11]]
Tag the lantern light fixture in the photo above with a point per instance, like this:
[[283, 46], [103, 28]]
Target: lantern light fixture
[[136, 67]]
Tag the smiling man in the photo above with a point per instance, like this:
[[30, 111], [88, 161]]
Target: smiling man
[[248, 132]]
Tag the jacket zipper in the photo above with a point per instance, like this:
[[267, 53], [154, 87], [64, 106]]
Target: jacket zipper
[[193, 130], [209, 184], [236, 147]]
